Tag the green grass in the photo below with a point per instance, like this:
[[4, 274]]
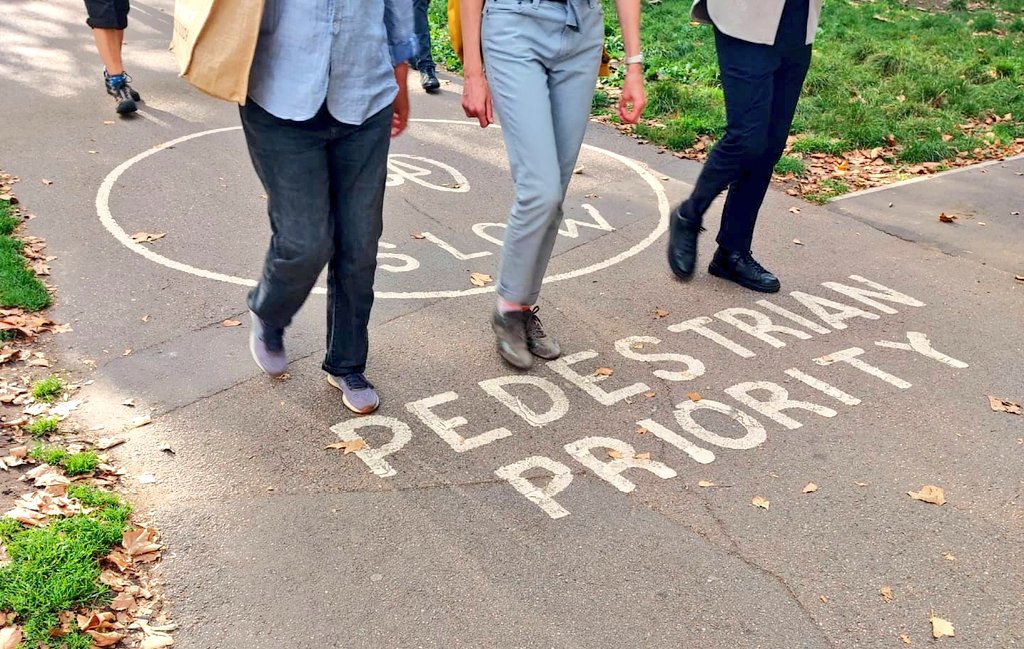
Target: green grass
[[81, 463], [790, 165], [8, 222], [914, 76], [47, 389], [827, 190], [44, 426], [73, 463], [56, 568], [19, 286]]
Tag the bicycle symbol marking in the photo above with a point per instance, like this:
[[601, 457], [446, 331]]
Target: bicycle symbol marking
[[401, 170]]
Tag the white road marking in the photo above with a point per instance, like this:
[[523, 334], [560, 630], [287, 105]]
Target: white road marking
[[761, 326], [559, 402], [374, 457], [108, 221], [820, 306], [571, 227], [823, 387], [850, 355], [694, 367], [880, 292], [445, 428], [696, 325], [699, 454], [588, 383], [778, 400], [920, 343], [611, 471], [755, 436], [799, 319], [561, 477], [452, 250]]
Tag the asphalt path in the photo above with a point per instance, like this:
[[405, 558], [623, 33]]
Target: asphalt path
[[563, 507]]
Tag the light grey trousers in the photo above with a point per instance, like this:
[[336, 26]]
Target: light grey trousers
[[542, 58]]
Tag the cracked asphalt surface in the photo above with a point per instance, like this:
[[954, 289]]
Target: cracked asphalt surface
[[275, 541]]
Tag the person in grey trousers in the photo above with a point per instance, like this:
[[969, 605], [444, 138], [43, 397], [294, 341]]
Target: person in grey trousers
[[537, 62]]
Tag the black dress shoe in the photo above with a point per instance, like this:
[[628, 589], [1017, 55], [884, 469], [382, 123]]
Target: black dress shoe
[[742, 268], [682, 243], [429, 80]]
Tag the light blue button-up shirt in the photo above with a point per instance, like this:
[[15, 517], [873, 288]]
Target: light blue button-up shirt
[[339, 51]]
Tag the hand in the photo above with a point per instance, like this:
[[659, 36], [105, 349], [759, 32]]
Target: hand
[[476, 99], [400, 118], [634, 98]]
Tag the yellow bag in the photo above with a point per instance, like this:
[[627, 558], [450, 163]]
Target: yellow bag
[[214, 42], [455, 34]]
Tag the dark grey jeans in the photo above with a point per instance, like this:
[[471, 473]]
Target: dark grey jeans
[[325, 191]]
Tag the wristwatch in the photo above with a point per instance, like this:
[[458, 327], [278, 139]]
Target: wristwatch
[[637, 59]]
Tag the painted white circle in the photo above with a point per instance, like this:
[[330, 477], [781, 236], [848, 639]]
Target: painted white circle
[[111, 224]]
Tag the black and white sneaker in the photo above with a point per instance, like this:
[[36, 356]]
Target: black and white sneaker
[[123, 94]]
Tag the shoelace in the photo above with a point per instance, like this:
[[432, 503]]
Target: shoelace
[[356, 381], [749, 259], [533, 325]]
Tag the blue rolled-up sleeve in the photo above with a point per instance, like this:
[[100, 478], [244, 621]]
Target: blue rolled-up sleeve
[[400, 24]]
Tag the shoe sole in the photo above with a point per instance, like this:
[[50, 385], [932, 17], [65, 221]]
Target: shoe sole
[[548, 357], [126, 110], [719, 272], [345, 401], [255, 358]]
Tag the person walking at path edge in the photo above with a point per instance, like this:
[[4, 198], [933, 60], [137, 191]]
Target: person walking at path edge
[[541, 59], [764, 52], [108, 20], [424, 61], [327, 91]]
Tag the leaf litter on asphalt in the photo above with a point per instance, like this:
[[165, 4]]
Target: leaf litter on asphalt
[[810, 488], [350, 446], [148, 237], [758, 501], [480, 279], [1001, 405], [941, 628], [929, 494], [886, 593]]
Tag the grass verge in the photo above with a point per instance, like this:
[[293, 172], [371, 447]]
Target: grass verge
[[19, 286], [894, 89], [56, 569]]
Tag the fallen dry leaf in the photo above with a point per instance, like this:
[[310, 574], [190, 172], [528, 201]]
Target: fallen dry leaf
[[148, 237], [705, 484], [905, 638], [480, 279], [929, 494], [106, 443], [640, 430], [947, 218], [886, 593], [643, 456], [824, 599], [604, 371], [758, 501], [357, 444], [108, 639], [157, 642], [1019, 278], [614, 454], [794, 210], [1000, 405], [949, 556], [10, 637], [166, 448], [123, 602], [19, 452], [231, 323], [578, 170], [144, 420], [694, 396], [418, 236], [140, 542], [941, 627], [660, 313], [810, 488], [798, 242], [47, 181]]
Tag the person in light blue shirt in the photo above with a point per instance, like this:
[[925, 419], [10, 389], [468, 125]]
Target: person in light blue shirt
[[327, 92]]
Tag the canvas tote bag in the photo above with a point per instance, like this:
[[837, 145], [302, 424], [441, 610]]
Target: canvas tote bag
[[214, 42]]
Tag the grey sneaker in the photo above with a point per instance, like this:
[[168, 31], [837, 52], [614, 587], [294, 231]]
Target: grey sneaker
[[538, 342], [266, 344], [510, 329], [357, 393]]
